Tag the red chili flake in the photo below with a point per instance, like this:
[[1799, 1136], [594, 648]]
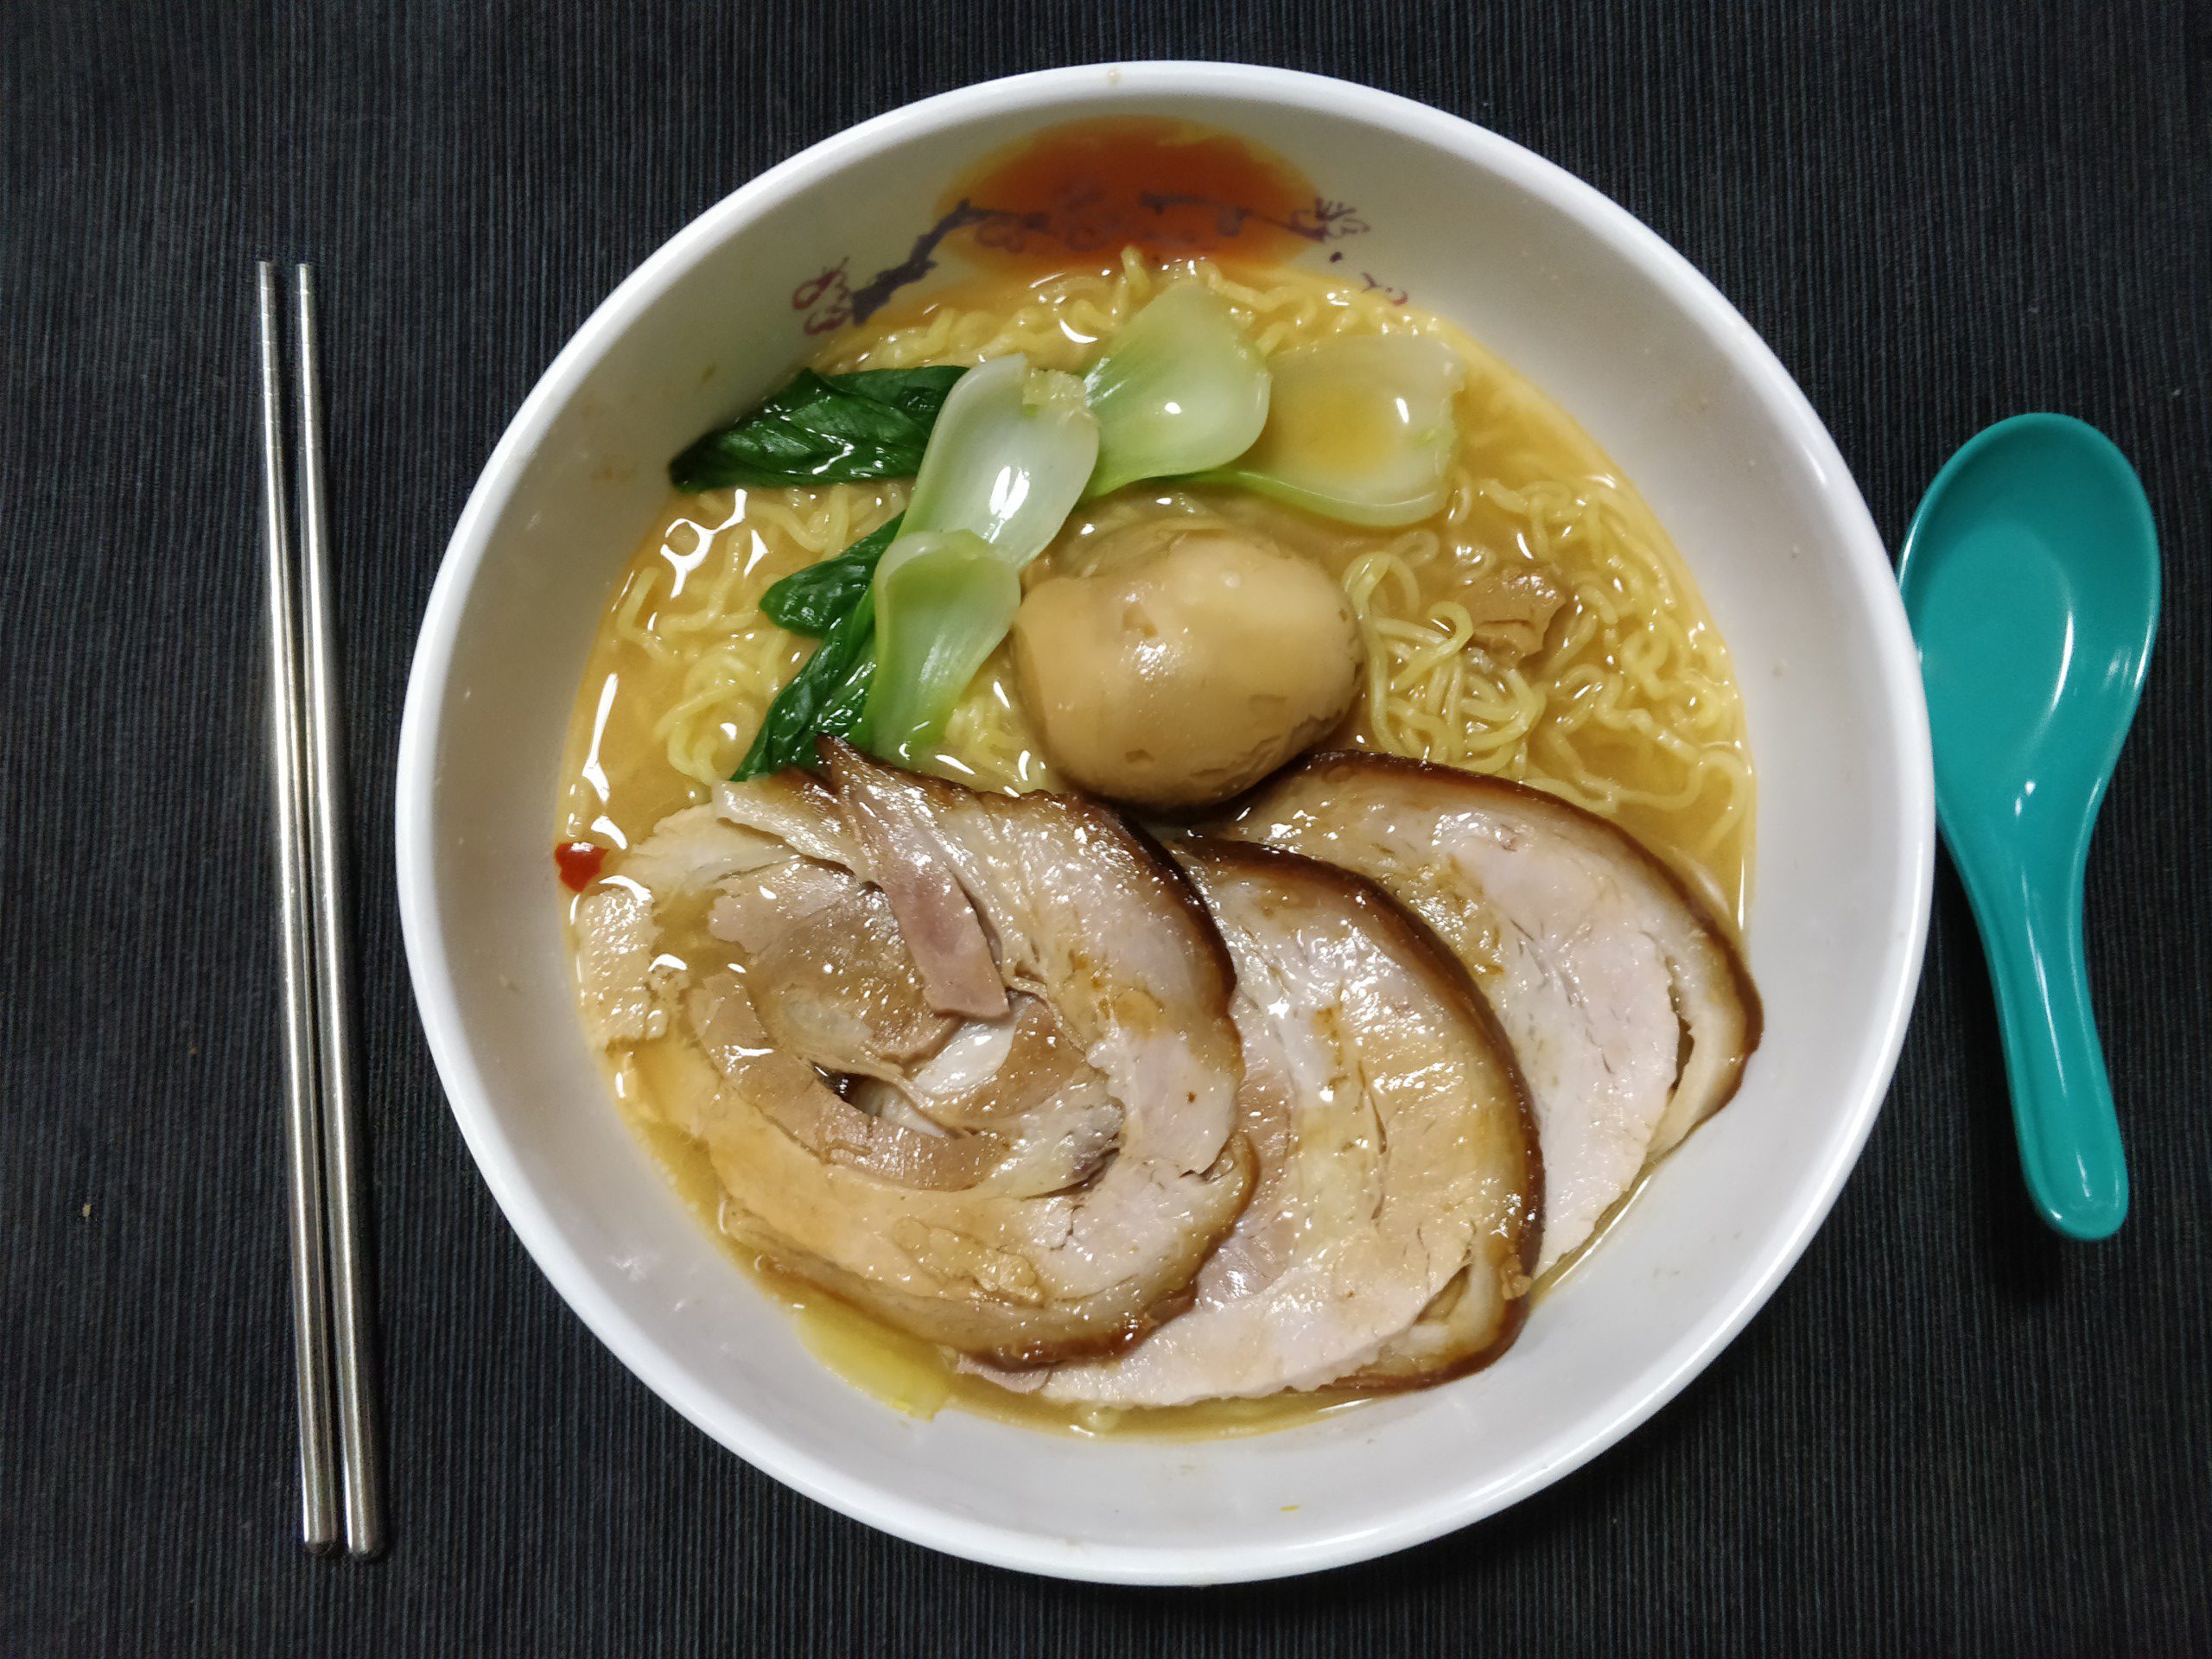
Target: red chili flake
[[579, 862]]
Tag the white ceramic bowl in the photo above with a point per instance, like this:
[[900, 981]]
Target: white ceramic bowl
[[1669, 379]]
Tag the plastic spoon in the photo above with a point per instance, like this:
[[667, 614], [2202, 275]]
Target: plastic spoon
[[2031, 578]]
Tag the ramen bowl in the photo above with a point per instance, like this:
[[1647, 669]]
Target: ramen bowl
[[1633, 343]]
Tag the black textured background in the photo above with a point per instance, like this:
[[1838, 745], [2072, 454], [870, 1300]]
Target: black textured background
[[1947, 1434]]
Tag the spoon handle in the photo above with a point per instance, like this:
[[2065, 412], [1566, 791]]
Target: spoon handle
[[2061, 1100]]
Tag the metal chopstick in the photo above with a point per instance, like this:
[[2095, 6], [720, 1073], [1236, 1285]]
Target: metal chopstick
[[302, 1135], [344, 1190]]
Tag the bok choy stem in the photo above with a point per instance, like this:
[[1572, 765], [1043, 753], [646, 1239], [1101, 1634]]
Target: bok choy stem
[[1008, 458], [1180, 389], [1359, 430]]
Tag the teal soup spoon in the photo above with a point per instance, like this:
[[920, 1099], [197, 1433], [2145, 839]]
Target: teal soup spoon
[[2031, 578]]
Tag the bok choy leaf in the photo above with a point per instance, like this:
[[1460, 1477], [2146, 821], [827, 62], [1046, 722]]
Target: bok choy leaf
[[824, 429], [826, 697], [809, 600], [1179, 389]]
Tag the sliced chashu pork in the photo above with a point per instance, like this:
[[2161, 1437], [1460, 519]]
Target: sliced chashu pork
[[626, 981], [1089, 1159], [1630, 1012], [1396, 1149]]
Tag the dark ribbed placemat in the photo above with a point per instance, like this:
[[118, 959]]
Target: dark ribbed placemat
[[1947, 1432]]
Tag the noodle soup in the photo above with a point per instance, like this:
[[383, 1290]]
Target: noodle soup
[[1538, 628]]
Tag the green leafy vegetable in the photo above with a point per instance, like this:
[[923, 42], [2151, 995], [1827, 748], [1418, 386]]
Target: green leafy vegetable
[[845, 714], [827, 697], [1359, 430], [945, 598], [1010, 452], [1179, 389], [810, 601], [1007, 459], [830, 600], [824, 428]]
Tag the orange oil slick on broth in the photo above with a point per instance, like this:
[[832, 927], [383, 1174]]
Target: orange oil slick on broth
[[1170, 189]]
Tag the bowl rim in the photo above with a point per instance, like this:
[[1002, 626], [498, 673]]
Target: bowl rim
[[726, 1421]]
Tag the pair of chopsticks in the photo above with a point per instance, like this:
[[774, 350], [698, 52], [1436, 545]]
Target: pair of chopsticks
[[331, 1315]]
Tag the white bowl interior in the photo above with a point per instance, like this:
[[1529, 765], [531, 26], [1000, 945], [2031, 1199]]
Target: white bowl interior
[[1669, 381]]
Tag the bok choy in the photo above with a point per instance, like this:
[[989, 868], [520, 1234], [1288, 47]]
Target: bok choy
[[907, 614], [1358, 429], [1008, 459], [830, 600], [811, 598], [944, 599], [1179, 389], [826, 698], [824, 429]]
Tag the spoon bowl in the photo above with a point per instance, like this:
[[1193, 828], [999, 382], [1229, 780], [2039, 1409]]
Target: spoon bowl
[[2030, 575]]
